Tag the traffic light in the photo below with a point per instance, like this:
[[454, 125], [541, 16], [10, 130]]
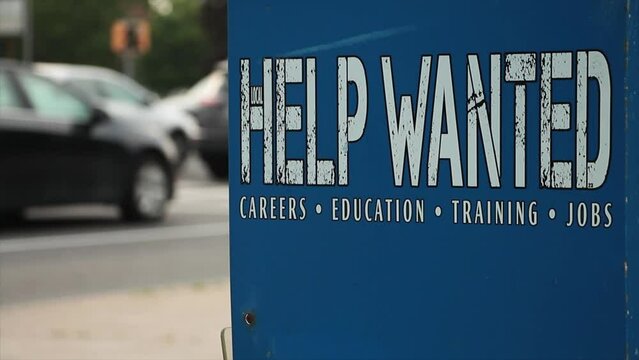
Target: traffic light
[[131, 35], [143, 37], [119, 36]]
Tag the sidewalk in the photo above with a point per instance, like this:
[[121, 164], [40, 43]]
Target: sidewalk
[[177, 323]]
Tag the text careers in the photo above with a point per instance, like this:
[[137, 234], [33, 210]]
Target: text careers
[[264, 109]]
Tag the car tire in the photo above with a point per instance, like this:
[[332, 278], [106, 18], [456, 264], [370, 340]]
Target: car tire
[[218, 165], [148, 192]]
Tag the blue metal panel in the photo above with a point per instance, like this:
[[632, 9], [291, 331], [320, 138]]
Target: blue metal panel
[[330, 289], [632, 179]]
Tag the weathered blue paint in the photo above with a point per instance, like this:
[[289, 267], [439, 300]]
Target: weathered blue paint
[[323, 289], [632, 179]]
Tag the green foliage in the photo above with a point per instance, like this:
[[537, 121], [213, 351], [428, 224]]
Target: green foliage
[[74, 31], [178, 49], [78, 32]]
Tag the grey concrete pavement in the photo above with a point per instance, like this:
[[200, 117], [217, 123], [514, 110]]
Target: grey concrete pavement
[[76, 283], [169, 322]]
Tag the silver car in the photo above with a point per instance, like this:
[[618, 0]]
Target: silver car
[[208, 102], [104, 84]]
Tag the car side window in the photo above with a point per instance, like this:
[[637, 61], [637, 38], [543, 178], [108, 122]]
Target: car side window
[[53, 101], [88, 87], [8, 95], [118, 93]]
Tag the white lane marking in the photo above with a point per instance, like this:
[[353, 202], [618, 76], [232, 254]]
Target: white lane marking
[[115, 237]]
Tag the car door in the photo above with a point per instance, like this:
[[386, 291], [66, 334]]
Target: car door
[[22, 171], [75, 166]]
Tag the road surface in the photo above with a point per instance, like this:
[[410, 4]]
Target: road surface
[[79, 250]]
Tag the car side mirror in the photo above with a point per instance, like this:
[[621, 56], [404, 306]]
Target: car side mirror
[[98, 116], [150, 98]]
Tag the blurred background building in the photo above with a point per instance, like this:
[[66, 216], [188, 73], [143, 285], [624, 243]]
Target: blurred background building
[[16, 29]]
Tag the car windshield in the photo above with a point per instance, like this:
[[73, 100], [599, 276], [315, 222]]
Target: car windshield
[[116, 92], [88, 87]]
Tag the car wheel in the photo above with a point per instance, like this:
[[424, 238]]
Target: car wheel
[[218, 165], [148, 193]]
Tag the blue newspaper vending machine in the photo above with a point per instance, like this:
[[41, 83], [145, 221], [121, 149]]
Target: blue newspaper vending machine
[[434, 180]]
